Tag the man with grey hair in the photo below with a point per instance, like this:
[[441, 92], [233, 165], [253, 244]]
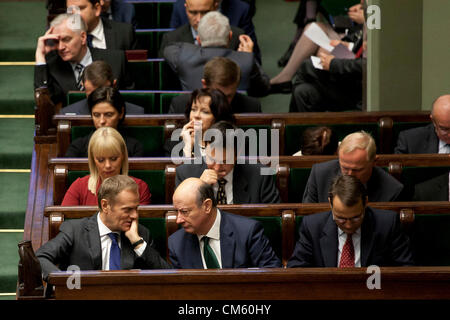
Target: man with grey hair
[[62, 54], [433, 138], [111, 239], [187, 60], [357, 154]]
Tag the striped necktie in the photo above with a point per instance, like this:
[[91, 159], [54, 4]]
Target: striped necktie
[[79, 68], [221, 195]]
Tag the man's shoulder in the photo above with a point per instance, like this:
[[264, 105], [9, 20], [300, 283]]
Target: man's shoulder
[[317, 219], [132, 108], [178, 103], [238, 222], [106, 54], [243, 103], [179, 34], [79, 107], [418, 132], [327, 165], [384, 218], [116, 25], [77, 225]]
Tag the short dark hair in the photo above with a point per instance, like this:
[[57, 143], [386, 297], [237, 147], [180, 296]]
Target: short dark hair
[[219, 106], [349, 189], [221, 71], [109, 95], [114, 185], [319, 141], [205, 191], [98, 73]]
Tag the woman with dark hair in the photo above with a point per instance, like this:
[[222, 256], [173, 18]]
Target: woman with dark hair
[[206, 106], [318, 141], [107, 108]]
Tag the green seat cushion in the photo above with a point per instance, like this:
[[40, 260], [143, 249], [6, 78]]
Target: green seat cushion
[[157, 228], [144, 73]]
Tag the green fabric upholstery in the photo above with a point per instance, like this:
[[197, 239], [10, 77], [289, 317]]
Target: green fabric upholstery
[[144, 74], [338, 7], [272, 230], [150, 39], [157, 228], [294, 133], [298, 178], [168, 80], [153, 14], [165, 99], [164, 13]]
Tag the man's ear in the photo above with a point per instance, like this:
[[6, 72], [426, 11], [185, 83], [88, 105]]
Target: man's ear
[[204, 84], [208, 205], [104, 204], [98, 8], [114, 84], [83, 36]]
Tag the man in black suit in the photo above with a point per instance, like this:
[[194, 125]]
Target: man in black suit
[[357, 154], [104, 33], [351, 234], [111, 239], [222, 74], [97, 74], [188, 32], [435, 189], [62, 54], [232, 182], [187, 60], [433, 138]]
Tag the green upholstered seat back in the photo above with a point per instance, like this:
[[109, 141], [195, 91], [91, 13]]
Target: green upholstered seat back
[[272, 230], [298, 178], [165, 99]]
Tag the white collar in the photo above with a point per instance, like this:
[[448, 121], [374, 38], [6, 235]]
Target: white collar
[[98, 31], [103, 230], [214, 232], [357, 232], [85, 61]]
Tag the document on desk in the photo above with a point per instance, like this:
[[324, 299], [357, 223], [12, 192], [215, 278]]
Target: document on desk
[[318, 36]]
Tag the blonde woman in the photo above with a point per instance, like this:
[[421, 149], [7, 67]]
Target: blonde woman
[[107, 155]]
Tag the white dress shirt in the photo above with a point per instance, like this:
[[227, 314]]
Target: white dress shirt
[[356, 238], [228, 187], [98, 34], [443, 147], [214, 240], [87, 60], [106, 242]]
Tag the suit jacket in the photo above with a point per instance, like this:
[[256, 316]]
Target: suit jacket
[[380, 187], [435, 189], [79, 147], [382, 241], [240, 103], [249, 186], [81, 107], [418, 140], [123, 12], [119, 35], [58, 75], [78, 243], [237, 12], [184, 34], [187, 61], [242, 245]]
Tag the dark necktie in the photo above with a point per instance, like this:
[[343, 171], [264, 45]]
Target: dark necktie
[[79, 68], [208, 254], [348, 254], [221, 195], [114, 254], [89, 40]]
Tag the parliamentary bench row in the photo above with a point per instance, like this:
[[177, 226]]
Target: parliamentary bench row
[[384, 126], [426, 223], [290, 173]]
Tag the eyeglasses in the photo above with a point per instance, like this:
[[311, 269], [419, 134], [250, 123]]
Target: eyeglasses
[[352, 219]]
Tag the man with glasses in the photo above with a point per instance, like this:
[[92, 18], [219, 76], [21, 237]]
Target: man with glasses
[[351, 234], [357, 154], [433, 138], [214, 239]]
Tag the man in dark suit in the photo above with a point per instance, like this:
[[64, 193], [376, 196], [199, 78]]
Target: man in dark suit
[[239, 183], [351, 234], [104, 33], [62, 54], [357, 154], [435, 189], [222, 74], [212, 238], [111, 239], [188, 60], [433, 138], [120, 11], [188, 32], [236, 11], [97, 74]]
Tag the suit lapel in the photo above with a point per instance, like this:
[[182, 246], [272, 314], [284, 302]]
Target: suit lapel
[[367, 235], [433, 141], [126, 253], [240, 186], [93, 242], [227, 242], [64, 75], [193, 251], [187, 34], [329, 243], [109, 35]]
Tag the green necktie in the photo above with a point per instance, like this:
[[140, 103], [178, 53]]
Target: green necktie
[[210, 257]]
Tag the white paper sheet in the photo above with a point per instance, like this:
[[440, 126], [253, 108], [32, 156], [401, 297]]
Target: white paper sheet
[[318, 36], [316, 62]]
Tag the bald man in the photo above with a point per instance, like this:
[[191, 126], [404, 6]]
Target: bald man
[[433, 138], [214, 239]]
